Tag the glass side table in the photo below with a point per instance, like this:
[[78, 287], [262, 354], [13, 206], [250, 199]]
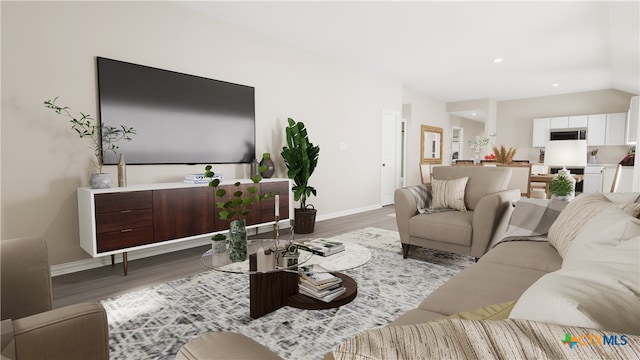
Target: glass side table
[[274, 288], [271, 286]]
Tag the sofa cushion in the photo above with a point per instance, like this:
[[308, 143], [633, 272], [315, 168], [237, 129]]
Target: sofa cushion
[[416, 316], [449, 194], [483, 180], [472, 339], [603, 232], [454, 227], [599, 286], [577, 213], [8, 343], [224, 345], [536, 255], [480, 285]]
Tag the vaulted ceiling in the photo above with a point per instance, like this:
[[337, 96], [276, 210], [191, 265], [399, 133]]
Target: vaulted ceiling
[[449, 50]]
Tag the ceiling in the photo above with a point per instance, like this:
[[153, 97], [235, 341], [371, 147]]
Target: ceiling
[[447, 49]]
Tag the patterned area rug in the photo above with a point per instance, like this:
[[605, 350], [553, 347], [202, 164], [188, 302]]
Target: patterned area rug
[[154, 323]]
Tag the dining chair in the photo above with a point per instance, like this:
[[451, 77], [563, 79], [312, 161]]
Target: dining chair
[[464, 162], [488, 162], [616, 178], [520, 177], [539, 189], [425, 173]]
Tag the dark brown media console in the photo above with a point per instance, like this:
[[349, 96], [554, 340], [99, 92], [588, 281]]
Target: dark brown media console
[[118, 220]]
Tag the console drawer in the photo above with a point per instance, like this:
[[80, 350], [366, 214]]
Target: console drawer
[[123, 220], [123, 239], [119, 201]]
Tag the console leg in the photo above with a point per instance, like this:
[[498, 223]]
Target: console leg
[[113, 259], [405, 250], [125, 263]]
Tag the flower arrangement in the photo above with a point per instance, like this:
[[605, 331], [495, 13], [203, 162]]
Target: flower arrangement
[[504, 156], [480, 143]]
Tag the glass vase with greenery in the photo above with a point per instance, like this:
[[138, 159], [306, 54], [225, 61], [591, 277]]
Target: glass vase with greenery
[[103, 137], [236, 209]]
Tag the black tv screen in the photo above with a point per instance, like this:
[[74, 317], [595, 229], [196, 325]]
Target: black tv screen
[[179, 118]]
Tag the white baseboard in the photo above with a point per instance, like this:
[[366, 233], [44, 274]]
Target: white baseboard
[[92, 263]]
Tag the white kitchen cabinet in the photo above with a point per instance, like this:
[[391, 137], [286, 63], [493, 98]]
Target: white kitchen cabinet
[[540, 132], [616, 127], [592, 181], [559, 122], [596, 129], [579, 121], [633, 118]]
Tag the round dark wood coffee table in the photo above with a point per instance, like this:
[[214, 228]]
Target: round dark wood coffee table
[[305, 302]]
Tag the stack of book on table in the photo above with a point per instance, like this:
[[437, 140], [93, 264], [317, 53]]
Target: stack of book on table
[[323, 247], [200, 178], [318, 283]]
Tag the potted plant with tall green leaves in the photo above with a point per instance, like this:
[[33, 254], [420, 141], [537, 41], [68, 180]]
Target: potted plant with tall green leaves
[[103, 137], [235, 209], [301, 158]]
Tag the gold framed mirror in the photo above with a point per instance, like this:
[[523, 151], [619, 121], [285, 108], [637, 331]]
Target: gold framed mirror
[[430, 144]]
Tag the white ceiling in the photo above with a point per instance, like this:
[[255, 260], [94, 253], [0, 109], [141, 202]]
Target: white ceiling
[[447, 49]]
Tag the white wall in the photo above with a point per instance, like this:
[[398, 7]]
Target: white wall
[[419, 109], [471, 130], [49, 49]]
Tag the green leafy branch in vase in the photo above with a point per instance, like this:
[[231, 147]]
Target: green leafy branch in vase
[[238, 207], [103, 136]]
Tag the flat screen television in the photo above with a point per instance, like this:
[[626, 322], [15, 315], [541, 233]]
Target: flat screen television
[[179, 118]]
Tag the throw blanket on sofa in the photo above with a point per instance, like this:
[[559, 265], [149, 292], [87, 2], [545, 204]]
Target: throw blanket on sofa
[[531, 220], [424, 197], [501, 339]]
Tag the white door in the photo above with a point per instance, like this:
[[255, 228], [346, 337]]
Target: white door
[[389, 164]]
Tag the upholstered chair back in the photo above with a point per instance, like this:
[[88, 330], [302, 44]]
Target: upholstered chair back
[[25, 278], [483, 180]]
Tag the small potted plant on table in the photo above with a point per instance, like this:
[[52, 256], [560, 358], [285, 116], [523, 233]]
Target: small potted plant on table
[[561, 187], [219, 243]]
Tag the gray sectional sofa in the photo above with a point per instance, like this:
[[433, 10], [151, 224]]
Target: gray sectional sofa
[[558, 269]]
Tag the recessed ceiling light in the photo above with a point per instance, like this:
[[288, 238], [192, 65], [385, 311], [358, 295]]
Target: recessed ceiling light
[[555, 85], [497, 60], [473, 114]]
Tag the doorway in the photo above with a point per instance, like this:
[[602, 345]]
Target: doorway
[[457, 139], [391, 145]]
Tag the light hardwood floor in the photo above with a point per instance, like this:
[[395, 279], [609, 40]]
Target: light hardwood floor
[[108, 281]]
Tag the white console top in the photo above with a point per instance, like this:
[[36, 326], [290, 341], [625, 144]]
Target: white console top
[[173, 185]]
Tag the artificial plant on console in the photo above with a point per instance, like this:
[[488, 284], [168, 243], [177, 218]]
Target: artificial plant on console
[[104, 139], [301, 158]]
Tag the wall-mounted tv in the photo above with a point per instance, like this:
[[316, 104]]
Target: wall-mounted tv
[[179, 118]]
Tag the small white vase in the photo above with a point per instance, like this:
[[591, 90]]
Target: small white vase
[[100, 181], [219, 246]]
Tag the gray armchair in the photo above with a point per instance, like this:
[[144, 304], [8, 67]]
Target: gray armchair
[[470, 232], [30, 328]]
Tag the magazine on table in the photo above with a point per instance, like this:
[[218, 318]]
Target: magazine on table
[[319, 292], [326, 298], [323, 247], [316, 274]]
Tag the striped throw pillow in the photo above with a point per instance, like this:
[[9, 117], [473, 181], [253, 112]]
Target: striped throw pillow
[[449, 194]]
